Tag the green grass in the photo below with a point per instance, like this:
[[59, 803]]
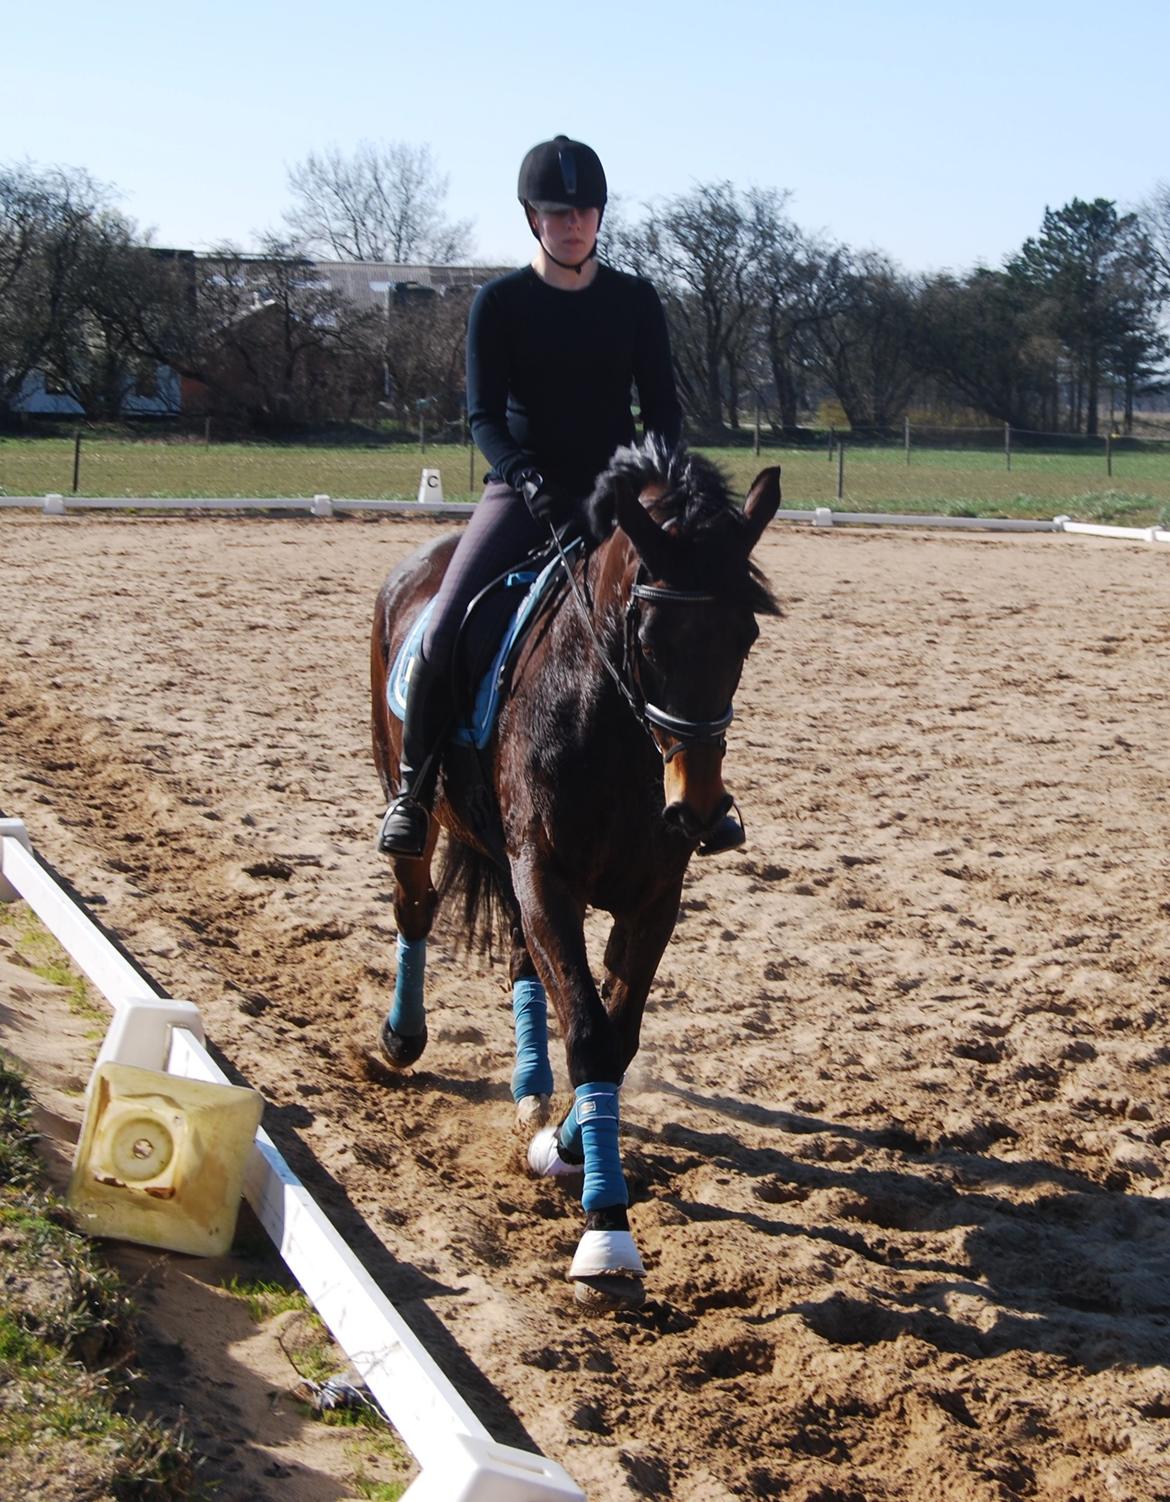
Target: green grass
[[265, 1298], [957, 481], [316, 1357], [36, 948], [65, 1336]]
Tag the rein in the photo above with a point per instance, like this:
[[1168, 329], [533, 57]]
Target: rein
[[647, 714]]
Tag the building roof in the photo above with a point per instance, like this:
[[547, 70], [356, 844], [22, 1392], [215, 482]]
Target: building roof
[[367, 283]]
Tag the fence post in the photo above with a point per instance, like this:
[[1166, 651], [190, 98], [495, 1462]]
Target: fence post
[[470, 470], [906, 430], [832, 440], [207, 431], [1109, 453], [841, 470], [757, 431], [1007, 443], [76, 460]]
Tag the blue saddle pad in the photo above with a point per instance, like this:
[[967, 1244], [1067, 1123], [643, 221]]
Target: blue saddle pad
[[477, 730]]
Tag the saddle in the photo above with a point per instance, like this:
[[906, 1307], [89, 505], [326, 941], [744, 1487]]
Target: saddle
[[494, 629]]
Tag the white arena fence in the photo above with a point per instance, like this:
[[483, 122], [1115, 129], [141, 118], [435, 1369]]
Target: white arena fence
[[324, 505], [459, 1460]]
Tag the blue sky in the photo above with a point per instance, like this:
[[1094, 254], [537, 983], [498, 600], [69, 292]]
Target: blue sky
[[936, 133]]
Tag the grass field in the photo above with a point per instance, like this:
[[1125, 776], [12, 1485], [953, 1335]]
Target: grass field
[[966, 482]]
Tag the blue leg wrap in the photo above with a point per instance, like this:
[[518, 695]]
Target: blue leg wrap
[[569, 1136], [407, 1016], [533, 1072], [596, 1109]]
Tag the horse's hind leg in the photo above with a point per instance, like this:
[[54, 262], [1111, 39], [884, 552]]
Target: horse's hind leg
[[404, 1032], [532, 1078]]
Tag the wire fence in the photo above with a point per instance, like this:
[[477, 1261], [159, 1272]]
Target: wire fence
[[952, 471]]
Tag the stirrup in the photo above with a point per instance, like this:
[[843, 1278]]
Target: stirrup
[[405, 826]]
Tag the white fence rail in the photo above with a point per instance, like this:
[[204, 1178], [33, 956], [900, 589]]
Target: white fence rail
[[459, 1460], [324, 505]]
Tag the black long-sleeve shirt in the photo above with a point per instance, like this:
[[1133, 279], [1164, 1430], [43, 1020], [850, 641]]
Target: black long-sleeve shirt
[[550, 372]]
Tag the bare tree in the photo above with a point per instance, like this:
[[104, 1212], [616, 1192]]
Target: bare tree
[[1154, 219], [697, 249], [864, 348], [49, 220], [383, 203], [425, 339]]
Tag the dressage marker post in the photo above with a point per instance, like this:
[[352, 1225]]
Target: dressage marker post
[[459, 1460]]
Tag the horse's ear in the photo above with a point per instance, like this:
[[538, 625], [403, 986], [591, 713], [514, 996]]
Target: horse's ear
[[762, 503], [655, 547]]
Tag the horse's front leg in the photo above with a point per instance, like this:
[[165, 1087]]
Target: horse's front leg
[[606, 1269], [404, 1031], [532, 1077]]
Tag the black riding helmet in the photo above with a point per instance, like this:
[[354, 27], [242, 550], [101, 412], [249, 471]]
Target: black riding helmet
[[562, 174]]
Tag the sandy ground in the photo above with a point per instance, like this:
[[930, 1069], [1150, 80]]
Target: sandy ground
[[897, 1133]]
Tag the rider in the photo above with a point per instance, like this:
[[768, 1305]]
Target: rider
[[552, 352]]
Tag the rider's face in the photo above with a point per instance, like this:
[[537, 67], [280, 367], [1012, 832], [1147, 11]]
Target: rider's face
[[567, 234]]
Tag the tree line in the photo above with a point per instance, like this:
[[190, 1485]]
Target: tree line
[[765, 317]]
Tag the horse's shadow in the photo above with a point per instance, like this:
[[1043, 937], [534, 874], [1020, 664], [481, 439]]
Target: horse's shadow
[[1071, 1269]]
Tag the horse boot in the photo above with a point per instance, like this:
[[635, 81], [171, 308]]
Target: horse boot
[[406, 822]]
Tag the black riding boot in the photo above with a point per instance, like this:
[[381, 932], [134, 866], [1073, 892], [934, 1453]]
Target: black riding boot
[[406, 821]]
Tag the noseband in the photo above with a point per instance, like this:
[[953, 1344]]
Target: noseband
[[683, 731]]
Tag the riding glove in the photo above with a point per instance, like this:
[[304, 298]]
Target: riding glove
[[549, 507]]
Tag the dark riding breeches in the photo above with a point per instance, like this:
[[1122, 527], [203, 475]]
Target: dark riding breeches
[[500, 533]]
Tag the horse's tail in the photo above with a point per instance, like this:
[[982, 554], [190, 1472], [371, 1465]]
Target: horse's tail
[[478, 883]]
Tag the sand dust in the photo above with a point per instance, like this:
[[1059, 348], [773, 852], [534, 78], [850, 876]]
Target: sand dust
[[897, 1134]]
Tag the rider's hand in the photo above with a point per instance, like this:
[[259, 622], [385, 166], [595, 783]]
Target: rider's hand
[[549, 507]]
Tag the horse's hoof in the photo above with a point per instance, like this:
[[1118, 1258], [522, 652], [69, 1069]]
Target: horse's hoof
[[532, 1112], [608, 1294], [401, 1050], [546, 1162], [601, 1254]]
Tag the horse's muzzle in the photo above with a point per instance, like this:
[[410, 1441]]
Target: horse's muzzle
[[683, 820], [695, 796]]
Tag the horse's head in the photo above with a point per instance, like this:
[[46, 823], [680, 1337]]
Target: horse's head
[[690, 594]]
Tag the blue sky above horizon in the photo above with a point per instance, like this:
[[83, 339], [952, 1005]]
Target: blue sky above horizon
[[936, 134]]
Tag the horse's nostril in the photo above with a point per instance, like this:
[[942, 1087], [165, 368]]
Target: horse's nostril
[[683, 819]]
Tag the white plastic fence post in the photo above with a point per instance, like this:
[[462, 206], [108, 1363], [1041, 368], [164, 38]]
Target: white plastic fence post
[[479, 1470], [322, 506], [11, 829], [822, 517], [54, 505], [140, 1033]]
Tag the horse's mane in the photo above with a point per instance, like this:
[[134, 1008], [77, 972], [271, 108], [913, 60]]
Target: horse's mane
[[695, 506]]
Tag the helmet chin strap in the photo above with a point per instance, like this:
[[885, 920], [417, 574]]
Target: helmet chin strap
[[577, 266]]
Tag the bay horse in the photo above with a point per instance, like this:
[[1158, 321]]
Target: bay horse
[[599, 781]]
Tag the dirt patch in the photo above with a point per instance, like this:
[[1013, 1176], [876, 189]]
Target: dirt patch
[[896, 1136]]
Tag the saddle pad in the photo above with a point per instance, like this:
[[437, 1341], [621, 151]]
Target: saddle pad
[[477, 730]]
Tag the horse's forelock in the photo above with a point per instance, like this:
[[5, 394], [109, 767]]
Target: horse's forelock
[[687, 489], [690, 497]]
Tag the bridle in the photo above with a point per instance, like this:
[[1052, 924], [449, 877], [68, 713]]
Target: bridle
[[627, 679], [684, 731]]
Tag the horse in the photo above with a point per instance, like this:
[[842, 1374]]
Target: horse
[[598, 783]]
